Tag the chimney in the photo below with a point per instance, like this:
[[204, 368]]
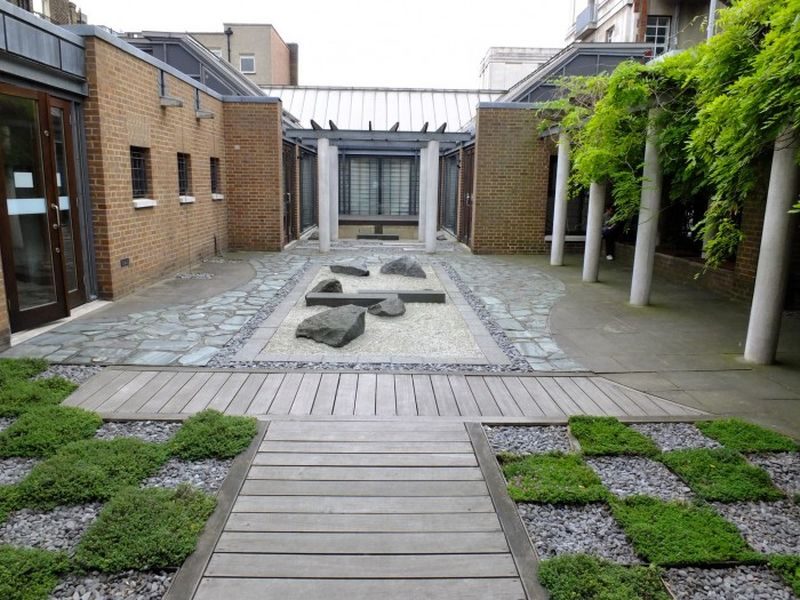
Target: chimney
[[293, 64]]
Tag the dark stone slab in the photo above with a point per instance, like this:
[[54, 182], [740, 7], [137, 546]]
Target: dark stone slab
[[392, 237], [365, 300], [405, 266], [336, 327], [358, 268], [391, 307], [328, 286], [411, 296]]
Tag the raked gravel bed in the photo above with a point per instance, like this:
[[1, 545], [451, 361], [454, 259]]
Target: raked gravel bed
[[15, 469], [769, 527], [131, 585], [637, 476], [528, 440], [736, 583], [75, 373], [147, 431], [783, 468], [59, 529], [675, 436], [207, 475], [587, 529]]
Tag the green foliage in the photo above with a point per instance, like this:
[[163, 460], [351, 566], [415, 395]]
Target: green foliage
[[606, 435], [210, 434], [16, 369], [145, 529], [17, 395], [736, 434], [672, 533], [721, 475], [789, 569], [87, 471], [552, 478], [41, 431], [29, 574], [582, 577]]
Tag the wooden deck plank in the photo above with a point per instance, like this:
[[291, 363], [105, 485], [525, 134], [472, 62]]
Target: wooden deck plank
[[173, 386], [579, 397], [566, 404], [406, 402], [426, 401], [96, 399], [650, 405], [483, 397], [445, 400], [227, 392], [266, 394], [385, 399], [95, 385], [118, 398], [376, 446], [261, 487], [326, 394], [334, 435], [502, 397], [465, 400], [542, 397], [204, 395], [365, 460], [606, 403], [352, 505], [292, 522], [365, 424], [286, 394], [365, 394], [345, 403], [146, 393], [244, 397], [367, 473], [306, 393], [178, 402], [522, 397]]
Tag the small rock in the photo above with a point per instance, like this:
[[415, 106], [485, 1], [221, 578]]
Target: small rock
[[353, 267], [406, 266], [328, 286], [314, 236], [336, 327], [441, 237], [391, 307]]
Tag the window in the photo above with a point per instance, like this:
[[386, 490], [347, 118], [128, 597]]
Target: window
[[610, 34], [216, 52], [140, 177], [658, 33], [184, 174], [247, 63], [215, 183]]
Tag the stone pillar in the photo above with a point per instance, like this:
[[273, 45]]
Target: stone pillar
[[324, 184], [423, 190], [594, 232], [647, 232], [432, 196], [334, 193], [560, 205], [774, 256]]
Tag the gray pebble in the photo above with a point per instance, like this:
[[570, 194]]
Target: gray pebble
[[783, 468], [130, 585], [637, 476], [528, 440], [14, 470], [736, 583], [769, 527], [59, 529], [147, 431], [207, 475], [675, 436], [75, 373], [5, 422]]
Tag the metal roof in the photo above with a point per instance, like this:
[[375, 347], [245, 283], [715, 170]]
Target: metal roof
[[354, 108]]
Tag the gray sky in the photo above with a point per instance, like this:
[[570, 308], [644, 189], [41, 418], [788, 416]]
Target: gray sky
[[404, 43]]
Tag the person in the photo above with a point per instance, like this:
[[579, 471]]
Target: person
[[610, 232]]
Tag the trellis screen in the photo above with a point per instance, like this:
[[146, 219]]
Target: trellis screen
[[449, 192], [308, 190], [378, 185]]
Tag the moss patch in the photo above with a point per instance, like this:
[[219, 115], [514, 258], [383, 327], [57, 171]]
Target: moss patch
[[210, 434], [736, 434], [15, 369], [552, 478], [607, 436], [29, 574], [789, 568], [16, 396], [41, 431]]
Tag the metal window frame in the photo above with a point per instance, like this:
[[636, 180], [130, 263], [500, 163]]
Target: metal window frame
[[214, 170], [140, 171], [184, 174], [658, 25], [253, 58]]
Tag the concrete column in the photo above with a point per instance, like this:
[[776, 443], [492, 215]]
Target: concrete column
[[423, 190], [334, 202], [432, 196], [774, 256], [324, 184], [560, 205], [594, 231], [712, 19], [647, 232]]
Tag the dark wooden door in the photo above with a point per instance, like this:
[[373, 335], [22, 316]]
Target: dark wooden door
[[466, 200], [289, 187]]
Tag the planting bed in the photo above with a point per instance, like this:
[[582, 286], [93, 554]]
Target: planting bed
[[703, 519]]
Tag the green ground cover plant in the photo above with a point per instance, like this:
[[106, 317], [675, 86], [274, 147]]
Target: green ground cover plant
[[722, 475], [675, 534], [18, 395], [41, 431], [145, 529], [789, 568], [552, 478], [12, 369], [608, 436], [29, 574], [582, 577], [740, 435], [210, 434]]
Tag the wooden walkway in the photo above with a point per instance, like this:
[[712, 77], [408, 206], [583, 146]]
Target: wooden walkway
[[173, 393], [363, 510]]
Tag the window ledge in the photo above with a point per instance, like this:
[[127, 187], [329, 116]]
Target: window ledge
[[170, 102], [187, 199], [218, 196], [144, 203]]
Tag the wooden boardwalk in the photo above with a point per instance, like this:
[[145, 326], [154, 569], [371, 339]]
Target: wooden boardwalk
[[363, 510], [174, 393]]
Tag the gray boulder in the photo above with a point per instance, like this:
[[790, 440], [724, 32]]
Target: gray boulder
[[336, 327], [353, 267], [314, 236], [328, 286], [391, 307], [406, 266]]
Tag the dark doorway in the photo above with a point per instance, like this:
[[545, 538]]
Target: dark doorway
[[465, 201]]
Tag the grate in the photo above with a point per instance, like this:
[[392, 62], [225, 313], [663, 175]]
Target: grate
[[139, 179]]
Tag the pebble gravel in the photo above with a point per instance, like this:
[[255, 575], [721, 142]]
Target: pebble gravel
[[769, 527], [59, 529], [194, 276], [130, 585], [147, 431], [637, 476], [528, 440], [14, 470], [5, 422], [206, 475], [75, 373], [737, 583], [783, 468], [588, 529], [675, 436]]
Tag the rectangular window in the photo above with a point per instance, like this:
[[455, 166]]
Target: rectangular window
[[610, 34], [216, 188], [140, 177], [247, 63], [658, 32], [184, 174]]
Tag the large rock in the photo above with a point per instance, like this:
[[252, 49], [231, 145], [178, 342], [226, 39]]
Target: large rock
[[353, 267], [336, 327], [328, 286], [406, 266], [391, 307]]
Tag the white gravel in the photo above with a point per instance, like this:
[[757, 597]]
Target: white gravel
[[131, 585], [737, 583], [637, 476], [783, 468], [588, 529], [207, 475], [675, 436], [59, 529], [528, 440], [14, 470], [5, 422], [147, 431], [769, 527]]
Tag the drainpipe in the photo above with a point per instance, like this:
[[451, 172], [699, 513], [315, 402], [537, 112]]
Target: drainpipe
[[228, 34]]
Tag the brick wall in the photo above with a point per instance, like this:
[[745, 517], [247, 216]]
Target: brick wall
[[5, 327], [253, 144], [123, 110], [510, 188]]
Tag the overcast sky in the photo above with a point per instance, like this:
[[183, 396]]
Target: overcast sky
[[402, 43]]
